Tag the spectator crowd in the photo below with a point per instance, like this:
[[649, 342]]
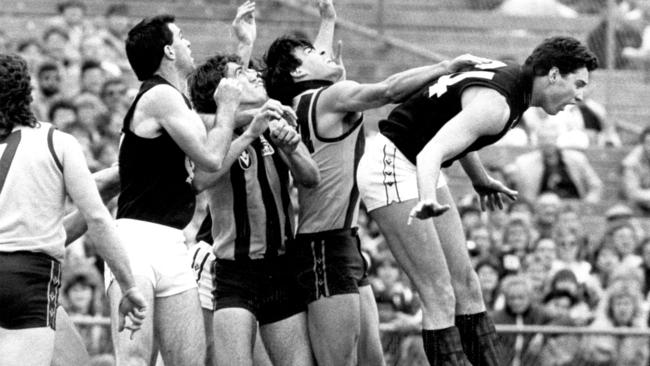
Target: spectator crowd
[[538, 262]]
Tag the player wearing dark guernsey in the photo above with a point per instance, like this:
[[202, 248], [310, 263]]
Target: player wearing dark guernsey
[[39, 169], [342, 313], [399, 177], [249, 199], [163, 140]]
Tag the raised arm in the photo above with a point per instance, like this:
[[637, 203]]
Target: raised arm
[[325, 38], [81, 188], [206, 149], [349, 96], [245, 31], [271, 110], [485, 112]]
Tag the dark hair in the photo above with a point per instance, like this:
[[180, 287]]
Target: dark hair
[[55, 30], [111, 81], [45, 67], [117, 9], [565, 53], [145, 44], [643, 134], [557, 294], [279, 63], [23, 44], [204, 80], [62, 6], [89, 64], [15, 94], [60, 104]]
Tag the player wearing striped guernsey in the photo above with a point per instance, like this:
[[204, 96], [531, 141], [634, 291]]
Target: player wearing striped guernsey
[[39, 168], [250, 198], [342, 313]]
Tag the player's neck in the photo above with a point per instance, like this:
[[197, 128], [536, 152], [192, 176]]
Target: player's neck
[[173, 76]]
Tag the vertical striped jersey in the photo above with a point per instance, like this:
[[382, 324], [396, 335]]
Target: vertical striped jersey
[[251, 206]]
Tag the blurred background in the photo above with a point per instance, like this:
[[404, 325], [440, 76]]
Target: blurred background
[[565, 269]]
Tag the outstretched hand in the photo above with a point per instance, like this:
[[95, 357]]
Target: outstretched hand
[[490, 193], [133, 307], [244, 23], [426, 209]]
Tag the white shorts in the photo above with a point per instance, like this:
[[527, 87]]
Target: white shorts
[[158, 253], [386, 176], [202, 259]]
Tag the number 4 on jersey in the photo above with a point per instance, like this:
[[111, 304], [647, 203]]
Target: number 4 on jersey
[[440, 87]]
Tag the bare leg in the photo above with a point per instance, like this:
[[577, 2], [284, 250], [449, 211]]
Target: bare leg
[[139, 350], [210, 356], [234, 334], [69, 349], [260, 356], [28, 347], [181, 337], [287, 341], [370, 352], [334, 328]]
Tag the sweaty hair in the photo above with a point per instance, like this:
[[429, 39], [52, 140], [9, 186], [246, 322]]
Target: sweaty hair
[[145, 44], [565, 53], [15, 94], [204, 80], [280, 61]]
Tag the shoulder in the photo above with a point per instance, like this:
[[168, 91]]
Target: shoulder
[[161, 97]]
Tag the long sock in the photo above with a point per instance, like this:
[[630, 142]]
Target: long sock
[[443, 347], [479, 339]]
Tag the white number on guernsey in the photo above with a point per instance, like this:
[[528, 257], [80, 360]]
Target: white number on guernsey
[[440, 87]]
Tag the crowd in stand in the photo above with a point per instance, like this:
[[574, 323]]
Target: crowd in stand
[[537, 262]]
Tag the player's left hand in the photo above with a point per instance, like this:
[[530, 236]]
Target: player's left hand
[[490, 193], [133, 307], [284, 135], [244, 23], [326, 9], [463, 61]]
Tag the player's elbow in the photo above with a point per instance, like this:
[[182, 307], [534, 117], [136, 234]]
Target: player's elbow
[[211, 164], [309, 179]]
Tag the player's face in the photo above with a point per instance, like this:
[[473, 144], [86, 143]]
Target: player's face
[[253, 91], [181, 47], [318, 65], [564, 90]]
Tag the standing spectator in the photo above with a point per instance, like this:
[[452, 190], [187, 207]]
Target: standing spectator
[[622, 306], [564, 172], [636, 173], [72, 19]]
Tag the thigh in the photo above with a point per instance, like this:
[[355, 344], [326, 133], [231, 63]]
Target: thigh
[[69, 348], [334, 328], [139, 346], [181, 338], [287, 341], [234, 334], [370, 351], [28, 347]]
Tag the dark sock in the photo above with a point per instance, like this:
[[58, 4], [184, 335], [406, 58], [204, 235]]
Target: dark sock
[[443, 347], [479, 339]]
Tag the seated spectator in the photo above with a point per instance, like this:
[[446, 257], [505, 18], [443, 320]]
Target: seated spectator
[[113, 33], [546, 250], [63, 114], [94, 48], [482, 243], [622, 306], [564, 281], [32, 51], [489, 274], [522, 349], [561, 350], [72, 19], [623, 238], [570, 255], [57, 48], [92, 77], [517, 237], [547, 210], [48, 90], [605, 261], [564, 172], [636, 173], [534, 268]]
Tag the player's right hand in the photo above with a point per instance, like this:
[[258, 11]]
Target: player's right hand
[[326, 9], [426, 209], [244, 23], [134, 307], [271, 110], [228, 93]]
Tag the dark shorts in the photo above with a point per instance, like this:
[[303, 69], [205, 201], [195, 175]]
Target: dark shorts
[[29, 290], [265, 287], [328, 263]]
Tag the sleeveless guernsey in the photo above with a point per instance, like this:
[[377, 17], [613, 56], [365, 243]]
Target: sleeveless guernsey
[[154, 174], [412, 124], [32, 193]]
